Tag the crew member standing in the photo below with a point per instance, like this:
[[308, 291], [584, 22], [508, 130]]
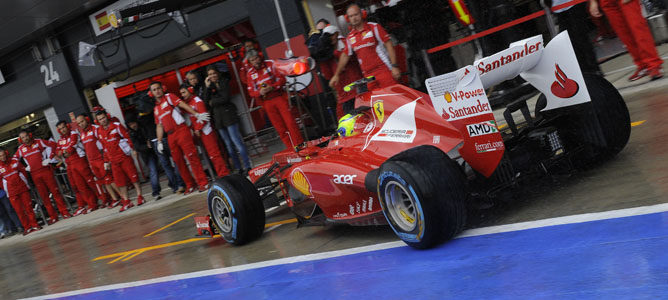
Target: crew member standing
[[93, 147], [17, 188], [373, 48], [266, 85], [81, 177], [204, 131], [38, 155], [170, 120], [117, 150], [631, 27]]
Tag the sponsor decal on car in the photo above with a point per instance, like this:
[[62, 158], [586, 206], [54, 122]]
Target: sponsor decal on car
[[344, 179], [292, 160], [352, 209], [367, 128], [436, 139], [340, 215], [563, 87], [489, 146], [400, 126], [487, 127], [378, 110], [300, 182], [488, 66], [261, 171]]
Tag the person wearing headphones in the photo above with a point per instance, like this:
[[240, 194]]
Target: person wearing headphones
[[374, 50], [169, 119], [15, 184], [38, 155], [93, 147], [117, 158], [266, 85], [71, 150]]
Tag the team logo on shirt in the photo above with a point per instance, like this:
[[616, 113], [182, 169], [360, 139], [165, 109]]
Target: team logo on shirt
[[367, 35], [352, 39], [254, 76]]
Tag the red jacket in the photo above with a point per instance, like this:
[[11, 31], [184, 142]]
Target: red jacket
[[13, 177], [91, 142], [350, 73], [35, 153], [115, 142], [198, 105], [72, 145], [267, 75], [168, 113]]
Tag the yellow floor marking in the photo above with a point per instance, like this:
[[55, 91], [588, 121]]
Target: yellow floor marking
[[293, 220], [128, 255], [502, 126], [170, 224], [633, 124]]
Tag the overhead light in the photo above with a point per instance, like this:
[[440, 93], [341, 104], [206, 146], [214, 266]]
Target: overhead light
[[199, 43], [32, 115]]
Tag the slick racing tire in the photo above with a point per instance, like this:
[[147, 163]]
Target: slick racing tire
[[422, 194], [236, 209]]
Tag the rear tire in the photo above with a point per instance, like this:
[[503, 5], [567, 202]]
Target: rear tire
[[236, 209], [422, 194]]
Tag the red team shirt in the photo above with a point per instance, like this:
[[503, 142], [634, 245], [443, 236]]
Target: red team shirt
[[13, 177], [91, 143], [34, 154], [265, 76], [168, 114], [72, 144], [367, 44], [115, 141]]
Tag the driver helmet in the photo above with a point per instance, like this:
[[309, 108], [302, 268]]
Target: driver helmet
[[352, 124]]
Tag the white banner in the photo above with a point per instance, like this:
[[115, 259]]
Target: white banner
[[100, 19]]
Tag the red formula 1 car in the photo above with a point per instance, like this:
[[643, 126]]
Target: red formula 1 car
[[419, 158]]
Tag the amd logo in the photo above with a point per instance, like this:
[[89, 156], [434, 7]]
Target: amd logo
[[344, 179], [483, 128]]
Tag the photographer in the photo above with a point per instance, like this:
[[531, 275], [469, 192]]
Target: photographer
[[327, 51]]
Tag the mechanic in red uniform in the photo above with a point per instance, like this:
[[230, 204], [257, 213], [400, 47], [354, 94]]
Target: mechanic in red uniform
[[373, 48], [93, 148], [15, 183], [38, 154], [631, 27], [169, 119], [204, 131], [351, 72], [117, 150], [81, 177], [266, 85]]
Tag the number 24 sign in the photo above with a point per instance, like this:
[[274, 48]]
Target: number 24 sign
[[50, 74]]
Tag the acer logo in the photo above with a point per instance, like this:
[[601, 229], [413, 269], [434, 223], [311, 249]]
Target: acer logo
[[344, 179], [563, 87]]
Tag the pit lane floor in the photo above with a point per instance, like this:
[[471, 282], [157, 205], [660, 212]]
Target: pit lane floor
[[618, 254]]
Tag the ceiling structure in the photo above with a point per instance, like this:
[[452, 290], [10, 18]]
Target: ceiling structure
[[22, 20]]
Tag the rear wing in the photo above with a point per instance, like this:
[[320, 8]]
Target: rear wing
[[460, 98]]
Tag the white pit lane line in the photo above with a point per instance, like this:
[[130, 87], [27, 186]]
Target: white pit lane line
[[627, 212]]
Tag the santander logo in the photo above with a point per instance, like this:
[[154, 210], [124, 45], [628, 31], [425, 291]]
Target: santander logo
[[563, 87]]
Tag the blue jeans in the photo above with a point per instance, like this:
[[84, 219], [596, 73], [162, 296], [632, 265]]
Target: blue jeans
[[173, 178], [230, 135], [10, 221], [151, 161]]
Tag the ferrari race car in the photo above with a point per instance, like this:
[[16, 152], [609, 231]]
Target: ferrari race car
[[418, 159]]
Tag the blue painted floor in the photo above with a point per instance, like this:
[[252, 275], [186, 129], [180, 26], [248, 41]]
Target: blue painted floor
[[608, 259]]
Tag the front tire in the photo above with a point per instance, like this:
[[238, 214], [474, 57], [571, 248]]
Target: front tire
[[422, 193], [236, 209]]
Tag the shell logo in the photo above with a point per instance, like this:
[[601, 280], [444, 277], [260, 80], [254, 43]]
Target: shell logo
[[300, 182], [448, 97]]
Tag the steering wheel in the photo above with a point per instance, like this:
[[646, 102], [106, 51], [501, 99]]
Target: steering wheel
[[360, 85]]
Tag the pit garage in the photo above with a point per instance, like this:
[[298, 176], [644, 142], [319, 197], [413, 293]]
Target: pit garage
[[505, 182]]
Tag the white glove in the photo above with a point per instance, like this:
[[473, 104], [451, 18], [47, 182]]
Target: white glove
[[203, 117], [46, 162], [107, 166], [160, 147], [27, 168]]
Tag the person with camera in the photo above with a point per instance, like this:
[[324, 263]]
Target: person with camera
[[225, 118], [329, 49], [373, 48]]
